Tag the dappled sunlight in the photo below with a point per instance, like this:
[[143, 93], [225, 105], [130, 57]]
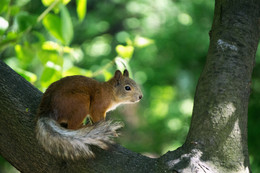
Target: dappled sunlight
[[103, 26], [3, 24], [175, 124], [185, 19], [50, 64], [161, 96], [122, 36], [222, 114], [141, 77], [100, 46], [163, 44], [224, 45], [159, 109], [142, 41], [132, 23], [186, 107]]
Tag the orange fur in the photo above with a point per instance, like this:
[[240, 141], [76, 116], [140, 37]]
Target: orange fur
[[69, 100], [72, 98]]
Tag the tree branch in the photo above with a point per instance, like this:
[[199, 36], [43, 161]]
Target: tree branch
[[18, 104], [217, 140]]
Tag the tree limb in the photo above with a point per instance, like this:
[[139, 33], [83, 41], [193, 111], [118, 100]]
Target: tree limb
[[18, 104], [217, 140]]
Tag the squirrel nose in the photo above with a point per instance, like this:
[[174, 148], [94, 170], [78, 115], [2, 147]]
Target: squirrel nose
[[140, 97]]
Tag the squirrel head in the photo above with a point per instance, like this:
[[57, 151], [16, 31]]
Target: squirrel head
[[126, 89]]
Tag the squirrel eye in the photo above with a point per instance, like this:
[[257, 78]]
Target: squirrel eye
[[128, 88]]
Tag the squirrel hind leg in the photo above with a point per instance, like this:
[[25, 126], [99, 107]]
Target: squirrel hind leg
[[79, 114], [76, 121], [72, 108]]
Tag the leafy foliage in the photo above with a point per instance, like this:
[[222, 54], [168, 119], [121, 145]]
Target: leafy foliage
[[163, 44]]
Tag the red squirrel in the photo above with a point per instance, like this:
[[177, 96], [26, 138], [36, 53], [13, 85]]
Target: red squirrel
[[67, 102]]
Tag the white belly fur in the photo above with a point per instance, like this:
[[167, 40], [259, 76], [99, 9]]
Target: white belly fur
[[113, 106]]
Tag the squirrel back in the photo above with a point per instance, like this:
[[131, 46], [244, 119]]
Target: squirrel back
[[67, 102]]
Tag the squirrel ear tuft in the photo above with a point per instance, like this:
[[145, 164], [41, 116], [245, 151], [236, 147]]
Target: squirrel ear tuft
[[126, 73], [118, 74]]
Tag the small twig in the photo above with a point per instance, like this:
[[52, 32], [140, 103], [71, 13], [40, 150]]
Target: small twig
[[47, 10]]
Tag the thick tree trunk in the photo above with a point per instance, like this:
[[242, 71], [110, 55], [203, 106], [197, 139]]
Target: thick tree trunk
[[217, 140]]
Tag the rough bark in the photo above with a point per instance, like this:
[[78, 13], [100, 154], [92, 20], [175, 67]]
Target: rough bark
[[217, 140], [18, 104]]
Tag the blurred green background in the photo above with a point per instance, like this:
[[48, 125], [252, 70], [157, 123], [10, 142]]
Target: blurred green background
[[162, 42]]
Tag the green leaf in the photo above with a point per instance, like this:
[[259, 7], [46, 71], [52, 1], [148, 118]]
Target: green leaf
[[66, 23], [4, 5], [6, 41], [51, 46], [25, 54], [107, 75], [21, 3], [24, 20], [125, 51], [54, 46], [49, 75], [81, 9], [14, 10], [47, 3], [77, 71], [39, 36], [65, 2], [14, 64], [56, 8], [50, 56], [29, 76], [60, 27], [52, 23]]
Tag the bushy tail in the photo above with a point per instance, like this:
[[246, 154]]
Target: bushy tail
[[73, 144]]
